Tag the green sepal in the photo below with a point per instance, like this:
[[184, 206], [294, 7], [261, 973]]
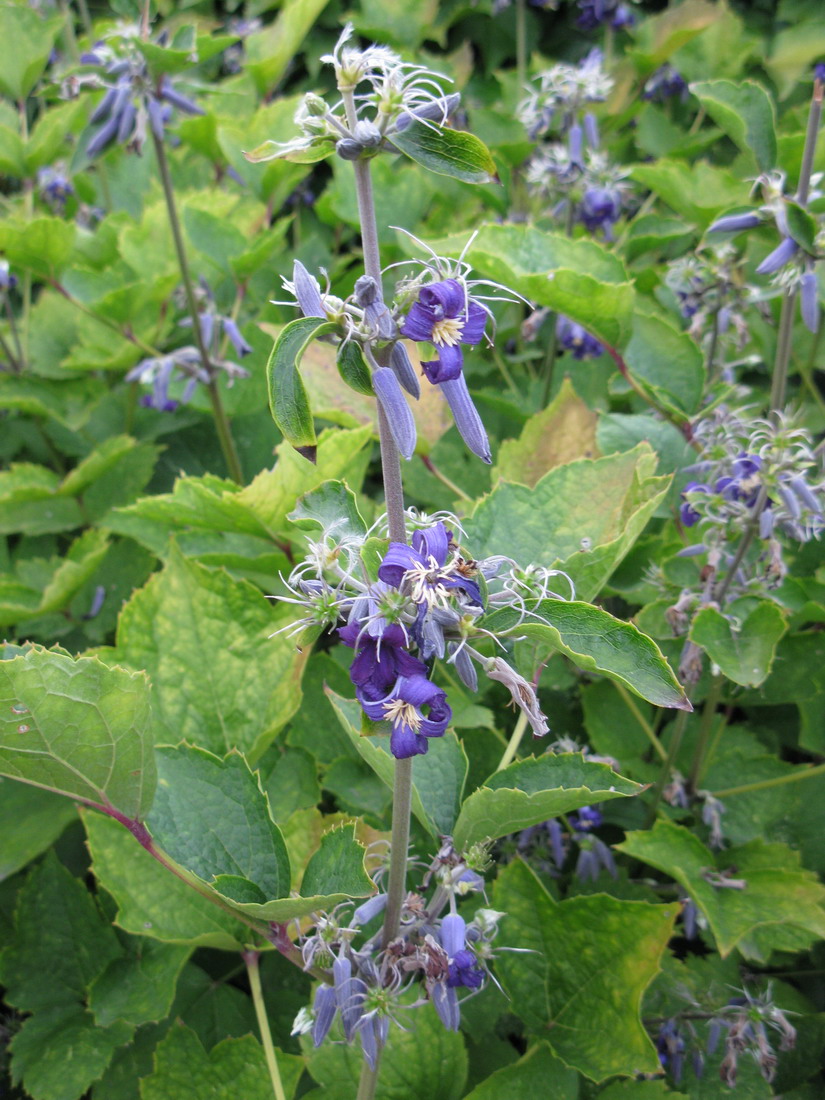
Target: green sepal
[[801, 226], [288, 399], [353, 368]]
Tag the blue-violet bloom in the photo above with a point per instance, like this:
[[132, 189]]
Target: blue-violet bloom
[[447, 317]]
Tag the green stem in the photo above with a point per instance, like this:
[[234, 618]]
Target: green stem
[[399, 843], [442, 477], [124, 333], [646, 727], [783, 350], [369, 1079], [667, 767], [253, 971], [514, 742], [28, 204], [700, 756], [549, 364], [777, 781], [742, 549], [224, 431]]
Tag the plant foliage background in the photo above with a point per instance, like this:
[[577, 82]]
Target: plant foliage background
[[185, 788]]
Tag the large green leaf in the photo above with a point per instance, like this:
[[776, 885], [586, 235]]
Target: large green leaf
[[438, 775], [447, 152], [288, 400], [743, 649], [698, 191], [582, 991], [745, 112], [61, 944], [596, 641], [422, 1060], [78, 727], [270, 50], [667, 363], [234, 1068], [534, 790], [776, 890], [211, 816], [220, 680], [26, 42], [139, 987], [538, 1073], [31, 819], [151, 901], [578, 278], [582, 518]]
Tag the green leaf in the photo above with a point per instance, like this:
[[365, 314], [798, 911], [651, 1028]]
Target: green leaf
[[151, 901], [667, 363], [582, 518], [30, 821], [698, 191], [561, 433], [742, 648], [578, 278], [337, 867], [211, 816], [745, 112], [269, 51], [138, 988], [581, 991], [51, 134], [802, 226], [42, 246], [794, 49], [26, 42], [597, 642], [78, 727], [234, 1068], [438, 775], [219, 679], [288, 401], [290, 778], [61, 944], [537, 1073], [776, 891], [353, 369], [423, 1060], [447, 152], [332, 506], [534, 790]]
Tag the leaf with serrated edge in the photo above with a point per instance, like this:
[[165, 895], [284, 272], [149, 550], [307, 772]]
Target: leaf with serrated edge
[[534, 790], [211, 816], [232, 1069], [744, 651], [78, 727], [138, 988], [745, 112], [596, 641], [773, 894], [151, 901], [581, 991], [220, 679]]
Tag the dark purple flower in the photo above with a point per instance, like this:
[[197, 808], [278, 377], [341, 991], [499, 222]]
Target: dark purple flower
[[397, 411], [404, 707], [586, 818], [464, 970], [664, 83], [600, 207], [594, 13], [819, 71], [425, 568], [447, 317], [687, 513], [576, 339], [380, 661]]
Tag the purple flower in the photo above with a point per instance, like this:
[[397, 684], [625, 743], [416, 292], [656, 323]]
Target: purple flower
[[819, 71], [380, 661], [403, 708], [664, 83], [586, 818], [576, 339], [447, 317], [593, 13], [467, 420], [424, 567], [735, 223], [463, 967], [240, 345], [600, 207], [687, 513], [809, 300], [781, 255], [397, 411]]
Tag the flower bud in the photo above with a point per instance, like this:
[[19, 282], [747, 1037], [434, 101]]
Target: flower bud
[[307, 291], [466, 417], [324, 1007], [396, 409], [401, 363], [349, 149], [453, 934], [735, 223], [809, 301], [781, 255]]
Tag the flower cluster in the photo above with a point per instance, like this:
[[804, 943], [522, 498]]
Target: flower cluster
[[549, 844], [381, 97], [560, 94], [433, 958], [440, 306], [665, 83], [598, 13], [712, 296], [427, 601], [133, 103], [55, 188]]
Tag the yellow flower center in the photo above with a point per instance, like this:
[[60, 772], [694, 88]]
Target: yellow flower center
[[397, 711], [448, 331]]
